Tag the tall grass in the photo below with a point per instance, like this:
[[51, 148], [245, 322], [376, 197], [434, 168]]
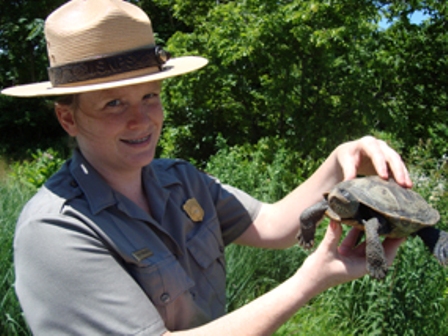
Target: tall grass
[[13, 196], [16, 188]]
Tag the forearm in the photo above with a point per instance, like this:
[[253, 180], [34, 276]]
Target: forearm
[[277, 224], [284, 218], [266, 314]]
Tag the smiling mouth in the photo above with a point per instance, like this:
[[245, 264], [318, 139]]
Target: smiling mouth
[[136, 141]]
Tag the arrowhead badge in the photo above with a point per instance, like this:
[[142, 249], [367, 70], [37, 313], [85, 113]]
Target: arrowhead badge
[[194, 210]]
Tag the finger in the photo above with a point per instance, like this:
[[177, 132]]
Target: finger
[[386, 161], [349, 170], [391, 165], [365, 157], [397, 167], [332, 235], [351, 239], [348, 245], [374, 149]]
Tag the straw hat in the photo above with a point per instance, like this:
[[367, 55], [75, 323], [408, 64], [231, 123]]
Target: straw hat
[[102, 44]]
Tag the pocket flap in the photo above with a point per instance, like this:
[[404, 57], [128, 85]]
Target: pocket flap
[[205, 248]]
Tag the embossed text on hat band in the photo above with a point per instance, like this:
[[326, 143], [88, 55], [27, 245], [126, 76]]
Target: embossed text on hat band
[[105, 66]]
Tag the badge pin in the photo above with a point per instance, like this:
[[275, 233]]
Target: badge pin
[[142, 254], [194, 210]]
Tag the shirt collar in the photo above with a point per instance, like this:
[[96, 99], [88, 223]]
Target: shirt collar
[[100, 195]]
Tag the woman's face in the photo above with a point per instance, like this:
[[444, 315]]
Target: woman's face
[[117, 130]]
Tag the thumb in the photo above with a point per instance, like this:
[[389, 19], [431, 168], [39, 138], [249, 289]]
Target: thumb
[[332, 235]]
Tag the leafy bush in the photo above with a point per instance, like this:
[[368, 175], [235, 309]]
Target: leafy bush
[[266, 170], [35, 172]]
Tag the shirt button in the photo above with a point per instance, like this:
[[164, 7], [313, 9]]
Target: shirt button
[[193, 295], [165, 298]]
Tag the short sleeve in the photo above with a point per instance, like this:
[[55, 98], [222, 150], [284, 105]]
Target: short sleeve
[[72, 284], [235, 208]]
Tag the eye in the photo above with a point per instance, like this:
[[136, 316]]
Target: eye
[[150, 96], [114, 103]]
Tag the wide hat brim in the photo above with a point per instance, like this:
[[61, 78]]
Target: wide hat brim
[[174, 67]]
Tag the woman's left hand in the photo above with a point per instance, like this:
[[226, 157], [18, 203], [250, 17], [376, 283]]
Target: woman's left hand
[[370, 156], [332, 264]]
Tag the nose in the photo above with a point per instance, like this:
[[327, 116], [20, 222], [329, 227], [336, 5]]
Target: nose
[[138, 116]]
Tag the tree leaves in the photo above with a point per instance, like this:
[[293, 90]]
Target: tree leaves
[[313, 72]]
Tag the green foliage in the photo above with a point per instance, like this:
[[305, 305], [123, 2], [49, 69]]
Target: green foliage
[[34, 173], [397, 306], [312, 72], [12, 198], [163, 18], [315, 73], [266, 170], [414, 76], [252, 272], [25, 124]]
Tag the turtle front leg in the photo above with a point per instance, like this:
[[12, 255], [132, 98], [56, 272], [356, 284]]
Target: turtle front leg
[[308, 222], [376, 258], [437, 242]]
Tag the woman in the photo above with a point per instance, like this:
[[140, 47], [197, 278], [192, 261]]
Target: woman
[[119, 243]]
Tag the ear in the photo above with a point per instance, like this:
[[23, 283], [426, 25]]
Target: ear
[[66, 118]]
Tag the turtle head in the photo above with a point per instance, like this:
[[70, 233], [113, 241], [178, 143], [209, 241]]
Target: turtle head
[[343, 203]]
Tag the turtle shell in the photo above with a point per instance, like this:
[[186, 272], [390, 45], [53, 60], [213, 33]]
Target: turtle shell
[[404, 209]]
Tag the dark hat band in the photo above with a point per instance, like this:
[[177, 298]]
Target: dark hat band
[[109, 65]]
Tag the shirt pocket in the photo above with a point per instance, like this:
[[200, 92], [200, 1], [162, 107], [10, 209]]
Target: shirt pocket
[[165, 282], [208, 253]]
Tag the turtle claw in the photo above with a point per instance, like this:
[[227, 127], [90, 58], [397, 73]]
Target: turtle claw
[[306, 245], [305, 239], [376, 264], [377, 272]]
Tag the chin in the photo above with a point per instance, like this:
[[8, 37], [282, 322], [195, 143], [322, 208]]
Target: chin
[[143, 160]]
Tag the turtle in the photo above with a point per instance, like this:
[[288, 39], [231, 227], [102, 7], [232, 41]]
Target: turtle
[[379, 207]]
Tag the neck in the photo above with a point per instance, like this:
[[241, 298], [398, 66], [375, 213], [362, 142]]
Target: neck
[[129, 184], [132, 189]]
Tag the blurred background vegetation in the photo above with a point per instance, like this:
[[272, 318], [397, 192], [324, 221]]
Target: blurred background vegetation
[[287, 81], [313, 73]]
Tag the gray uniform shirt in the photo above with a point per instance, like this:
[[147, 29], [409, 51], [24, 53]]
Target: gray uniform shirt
[[89, 261]]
